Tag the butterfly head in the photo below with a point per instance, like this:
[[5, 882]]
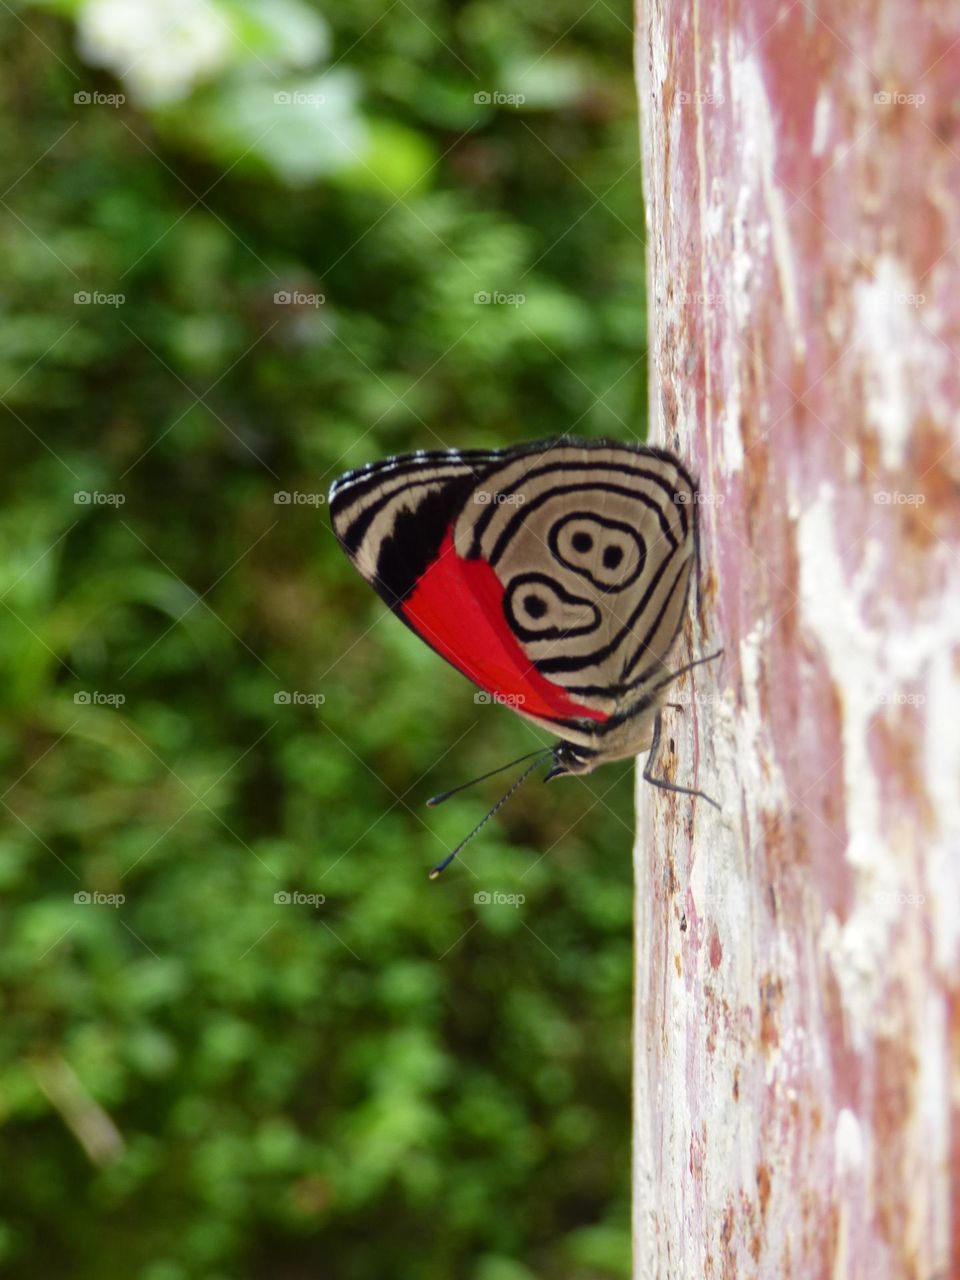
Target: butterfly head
[[569, 757]]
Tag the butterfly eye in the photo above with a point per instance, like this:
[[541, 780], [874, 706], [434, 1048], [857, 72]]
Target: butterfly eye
[[539, 608], [607, 552]]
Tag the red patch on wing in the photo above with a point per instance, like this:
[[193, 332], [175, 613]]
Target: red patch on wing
[[457, 607]]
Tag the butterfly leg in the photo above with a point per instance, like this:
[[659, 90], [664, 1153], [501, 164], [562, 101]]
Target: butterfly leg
[[662, 782]]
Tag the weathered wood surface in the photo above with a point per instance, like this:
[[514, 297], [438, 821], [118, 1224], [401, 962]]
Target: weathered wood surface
[[798, 1001]]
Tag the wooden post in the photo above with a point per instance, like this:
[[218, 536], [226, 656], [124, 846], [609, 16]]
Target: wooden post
[[797, 1090]]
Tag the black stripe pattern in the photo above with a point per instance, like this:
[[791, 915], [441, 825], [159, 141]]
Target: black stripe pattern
[[592, 541]]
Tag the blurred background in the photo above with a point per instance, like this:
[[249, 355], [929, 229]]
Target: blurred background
[[248, 244]]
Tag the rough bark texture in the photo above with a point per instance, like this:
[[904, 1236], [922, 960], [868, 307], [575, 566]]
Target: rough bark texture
[[798, 1001]]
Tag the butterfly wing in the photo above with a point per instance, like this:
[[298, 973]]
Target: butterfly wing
[[392, 516], [553, 575]]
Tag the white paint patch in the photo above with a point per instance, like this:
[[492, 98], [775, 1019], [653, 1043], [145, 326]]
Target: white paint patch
[[753, 764], [704, 247], [933, 1087], [821, 122], [716, 212], [753, 121], [765, 788], [830, 607], [757, 221], [847, 1144], [889, 338], [848, 1161], [732, 459], [831, 611], [869, 666], [941, 757], [651, 75]]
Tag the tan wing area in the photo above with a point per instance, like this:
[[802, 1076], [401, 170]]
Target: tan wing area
[[594, 549], [591, 547]]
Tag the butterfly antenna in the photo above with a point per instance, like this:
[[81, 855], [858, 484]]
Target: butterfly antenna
[[675, 675], [543, 756], [445, 795]]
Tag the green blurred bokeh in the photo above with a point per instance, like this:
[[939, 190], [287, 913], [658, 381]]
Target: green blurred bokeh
[[281, 231]]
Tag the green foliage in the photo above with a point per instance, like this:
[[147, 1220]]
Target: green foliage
[[203, 1080]]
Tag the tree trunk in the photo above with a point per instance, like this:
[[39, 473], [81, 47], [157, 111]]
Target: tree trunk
[[797, 1091]]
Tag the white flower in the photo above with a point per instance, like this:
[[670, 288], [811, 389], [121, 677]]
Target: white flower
[[159, 48]]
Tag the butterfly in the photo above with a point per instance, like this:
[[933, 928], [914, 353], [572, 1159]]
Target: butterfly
[[554, 575]]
